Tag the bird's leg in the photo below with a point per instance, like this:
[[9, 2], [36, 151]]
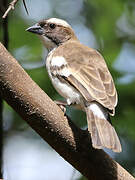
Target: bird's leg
[[62, 105]]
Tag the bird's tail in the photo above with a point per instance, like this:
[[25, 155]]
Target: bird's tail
[[103, 134]]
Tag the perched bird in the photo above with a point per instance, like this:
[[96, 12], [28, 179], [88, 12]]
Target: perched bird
[[81, 76]]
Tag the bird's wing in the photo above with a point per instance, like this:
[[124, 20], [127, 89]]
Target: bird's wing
[[94, 84], [91, 77]]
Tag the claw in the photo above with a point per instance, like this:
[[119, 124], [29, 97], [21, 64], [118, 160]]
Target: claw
[[62, 105]]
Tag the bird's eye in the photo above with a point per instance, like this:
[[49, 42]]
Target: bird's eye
[[52, 26], [42, 24]]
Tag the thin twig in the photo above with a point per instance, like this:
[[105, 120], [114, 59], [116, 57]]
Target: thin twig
[[24, 3], [11, 6], [5, 31]]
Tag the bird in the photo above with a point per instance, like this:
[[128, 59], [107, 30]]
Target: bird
[[80, 75]]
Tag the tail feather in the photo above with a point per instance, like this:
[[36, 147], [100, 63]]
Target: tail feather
[[102, 132]]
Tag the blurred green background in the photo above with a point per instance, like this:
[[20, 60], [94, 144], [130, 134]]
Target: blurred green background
[[108, 26]]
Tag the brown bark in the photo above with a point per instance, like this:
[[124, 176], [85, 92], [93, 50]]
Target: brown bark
[[46, 118]]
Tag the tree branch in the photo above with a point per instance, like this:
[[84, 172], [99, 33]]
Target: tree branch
[[46, 118], [12, 6]]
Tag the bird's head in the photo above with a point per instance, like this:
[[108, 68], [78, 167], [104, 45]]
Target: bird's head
[[53, 32]]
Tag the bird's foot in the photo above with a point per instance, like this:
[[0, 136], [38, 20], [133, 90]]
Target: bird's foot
[[62, 105]]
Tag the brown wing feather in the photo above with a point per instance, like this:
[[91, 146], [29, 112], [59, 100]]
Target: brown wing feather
[[89, 74], [95, 82], [91, 88]]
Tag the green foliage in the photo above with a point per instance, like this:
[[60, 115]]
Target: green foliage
[[103, 18]]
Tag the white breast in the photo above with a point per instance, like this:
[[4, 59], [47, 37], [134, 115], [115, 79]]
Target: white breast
[[64, 89], [58, 61]]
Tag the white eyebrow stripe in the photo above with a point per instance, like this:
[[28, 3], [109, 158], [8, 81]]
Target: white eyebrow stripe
[[58, 21]]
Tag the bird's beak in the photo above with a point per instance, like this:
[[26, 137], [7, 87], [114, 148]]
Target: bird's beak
[[35, 29]]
